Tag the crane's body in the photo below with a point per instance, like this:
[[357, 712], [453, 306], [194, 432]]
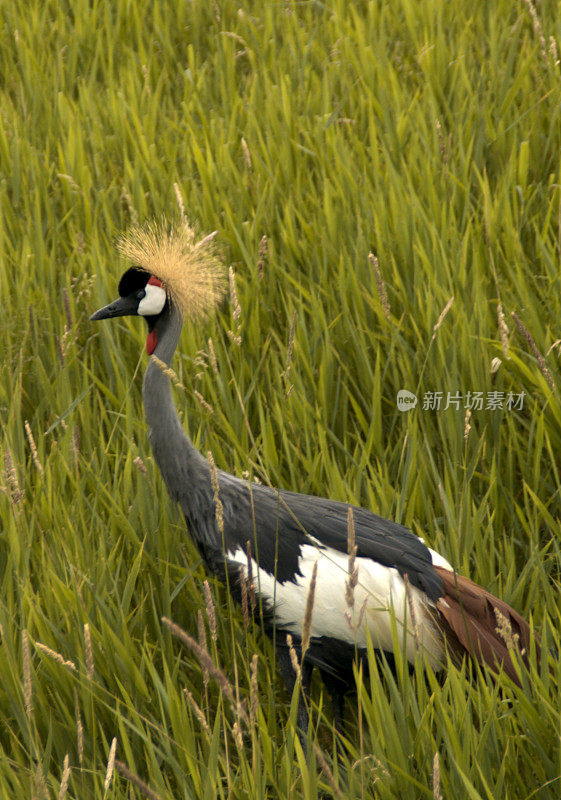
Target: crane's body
[[271, 539]]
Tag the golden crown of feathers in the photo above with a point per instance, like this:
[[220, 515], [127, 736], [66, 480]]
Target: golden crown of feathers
[[189, 268]]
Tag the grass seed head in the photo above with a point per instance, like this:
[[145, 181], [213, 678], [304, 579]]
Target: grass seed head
[[436, 777], [27, 686], [141, 785], [293, 656], [79, 728], [197, 710], [189, 268], [254, 696], [210, 612], [65, 778], [89, 652], [307, 624], [110, 764]]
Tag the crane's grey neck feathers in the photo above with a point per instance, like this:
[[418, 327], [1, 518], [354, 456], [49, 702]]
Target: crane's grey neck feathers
[[185, 471]]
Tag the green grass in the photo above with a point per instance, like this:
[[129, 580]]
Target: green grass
[[426, 132]]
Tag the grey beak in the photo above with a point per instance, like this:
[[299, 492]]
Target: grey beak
[[123, 307]]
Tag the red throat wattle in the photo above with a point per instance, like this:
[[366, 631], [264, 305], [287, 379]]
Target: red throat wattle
[[151, 342]]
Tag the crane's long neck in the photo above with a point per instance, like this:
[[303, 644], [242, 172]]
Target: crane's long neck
[[186, 473]]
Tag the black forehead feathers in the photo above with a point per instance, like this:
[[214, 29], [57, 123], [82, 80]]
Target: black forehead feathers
[[133, 280]]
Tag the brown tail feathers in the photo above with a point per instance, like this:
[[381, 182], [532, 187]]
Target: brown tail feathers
[[479, 624]]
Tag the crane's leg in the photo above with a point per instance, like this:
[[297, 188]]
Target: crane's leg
[[338, 706], [336, 691], [289, 678]]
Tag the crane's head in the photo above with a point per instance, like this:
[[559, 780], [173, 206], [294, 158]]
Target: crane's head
[[140, 294], [173, 269]]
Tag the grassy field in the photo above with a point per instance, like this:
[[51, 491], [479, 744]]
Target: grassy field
[[308, 135]]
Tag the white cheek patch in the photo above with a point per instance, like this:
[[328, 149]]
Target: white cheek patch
[[154, 301]]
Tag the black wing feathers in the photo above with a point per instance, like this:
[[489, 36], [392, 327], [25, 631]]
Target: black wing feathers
[[277, 523]]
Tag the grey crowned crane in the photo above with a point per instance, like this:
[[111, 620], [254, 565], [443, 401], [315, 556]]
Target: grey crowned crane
[[276, 540]]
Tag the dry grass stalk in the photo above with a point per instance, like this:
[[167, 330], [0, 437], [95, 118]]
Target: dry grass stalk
[[245, 606], [180, 205], [82, 287], [539, 358], [537, 28], [362, 611], [55, 656], [234, 338], [205, 659], [253, 689], [110, 764], [349, 616], [382, 294], [61, 348], [237, 734], [290, 348], [140, 465], [201, 360], [467, 423], [65, 778], [246, 475], [146, 76], [67, 309], [141, 785], [442, 316], [504, 629], [436, 795], [245, 149], [308, 613], [503, 329], [442, 145], [554, 346], [190, 269], [75, 445], [378, 766], [289, 353], [126, 202], [236, 308], [234, 335], [262, 256], [27, 687], [75, 188], [212, 356], [219, 508], [328, 773], [250, 584], [89, 652], [10, 473], [202, 642], [197, 710], [293, 657], [203, 402], [79, 728], [412, 611], [352, 581], [210, 612], [168, 371], [33, 447], [40, 787], [553, 52]]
